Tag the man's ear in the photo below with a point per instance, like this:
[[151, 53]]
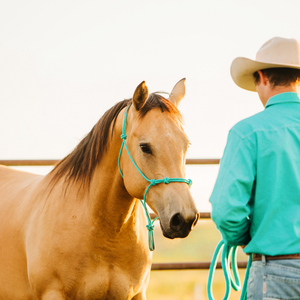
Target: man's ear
[[263, 78]]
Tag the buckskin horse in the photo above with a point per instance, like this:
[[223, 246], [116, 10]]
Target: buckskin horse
[[80, 231]]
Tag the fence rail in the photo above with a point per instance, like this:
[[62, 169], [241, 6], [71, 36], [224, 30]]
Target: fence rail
[[155, 266], [51, 162], [190, 266]]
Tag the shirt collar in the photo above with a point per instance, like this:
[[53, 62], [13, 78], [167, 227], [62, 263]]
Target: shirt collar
[[284, 98]]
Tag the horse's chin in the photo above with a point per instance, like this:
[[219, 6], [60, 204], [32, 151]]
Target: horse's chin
[[165, 234], [174, 234]]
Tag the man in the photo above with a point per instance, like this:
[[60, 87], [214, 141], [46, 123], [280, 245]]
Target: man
[[256, 198]]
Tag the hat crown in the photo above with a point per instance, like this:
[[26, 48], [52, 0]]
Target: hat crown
[[280, 50]]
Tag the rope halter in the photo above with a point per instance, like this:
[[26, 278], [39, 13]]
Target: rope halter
[[166, 180]]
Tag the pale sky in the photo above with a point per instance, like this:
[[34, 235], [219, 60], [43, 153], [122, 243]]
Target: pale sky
[[64, 63]]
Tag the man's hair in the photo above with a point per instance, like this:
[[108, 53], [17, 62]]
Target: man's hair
[[279, 76]]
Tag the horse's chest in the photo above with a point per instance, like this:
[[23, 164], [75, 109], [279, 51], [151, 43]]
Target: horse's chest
[[110, 282]]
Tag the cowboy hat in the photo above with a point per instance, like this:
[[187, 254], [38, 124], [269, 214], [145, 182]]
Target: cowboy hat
[[276, 53]]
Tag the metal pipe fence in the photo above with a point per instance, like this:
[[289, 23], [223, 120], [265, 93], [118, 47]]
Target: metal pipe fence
[[51, 162], [155, 266]]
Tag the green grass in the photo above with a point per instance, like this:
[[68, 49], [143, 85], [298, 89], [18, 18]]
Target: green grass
[[188, 285]]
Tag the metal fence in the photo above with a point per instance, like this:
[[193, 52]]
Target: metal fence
[[51, 162], [155, 266]]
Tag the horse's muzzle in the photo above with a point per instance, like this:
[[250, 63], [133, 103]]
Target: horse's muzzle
[[180, 227]]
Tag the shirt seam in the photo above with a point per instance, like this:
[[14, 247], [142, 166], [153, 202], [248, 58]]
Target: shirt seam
[[245, 137]]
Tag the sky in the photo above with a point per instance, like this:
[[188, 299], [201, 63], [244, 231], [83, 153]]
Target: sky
[[64, 63]]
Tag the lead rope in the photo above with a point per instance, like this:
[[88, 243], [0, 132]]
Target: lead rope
[[166, 180], [229, 281]]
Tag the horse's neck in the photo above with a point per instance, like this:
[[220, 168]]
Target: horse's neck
[[108, 196], [106, 203]]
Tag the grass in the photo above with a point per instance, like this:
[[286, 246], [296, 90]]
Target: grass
[[191, 284]]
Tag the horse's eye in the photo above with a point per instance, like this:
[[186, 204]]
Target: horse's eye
[[146, 148]]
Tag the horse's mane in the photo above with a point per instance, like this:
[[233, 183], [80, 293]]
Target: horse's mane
[[80, 164]]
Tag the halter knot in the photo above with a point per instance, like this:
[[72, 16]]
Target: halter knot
[[150, 227], [166, 180], [123, 136], [153, 182]]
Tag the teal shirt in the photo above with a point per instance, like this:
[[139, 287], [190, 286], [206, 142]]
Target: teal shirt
[[256, 198]]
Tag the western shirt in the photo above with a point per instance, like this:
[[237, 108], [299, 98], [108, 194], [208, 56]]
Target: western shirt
[[256, 197]]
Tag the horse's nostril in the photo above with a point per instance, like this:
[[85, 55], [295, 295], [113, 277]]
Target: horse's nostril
[[176, 222]]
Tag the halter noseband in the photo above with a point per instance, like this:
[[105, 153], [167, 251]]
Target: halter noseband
[[153, 182]]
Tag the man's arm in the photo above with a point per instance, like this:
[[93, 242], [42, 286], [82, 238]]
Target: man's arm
[[233, 189]]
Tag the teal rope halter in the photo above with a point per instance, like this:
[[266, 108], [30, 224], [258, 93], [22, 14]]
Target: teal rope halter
[[166, 180], [235, 284]]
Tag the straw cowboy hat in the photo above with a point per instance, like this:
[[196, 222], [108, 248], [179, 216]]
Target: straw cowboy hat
[[276, 53]]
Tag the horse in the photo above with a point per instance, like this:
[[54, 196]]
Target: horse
[[79, 232]]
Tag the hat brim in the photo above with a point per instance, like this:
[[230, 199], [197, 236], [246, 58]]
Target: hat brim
[[242, 70]]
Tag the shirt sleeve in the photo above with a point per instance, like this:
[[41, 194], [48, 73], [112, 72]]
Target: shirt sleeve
[[232, 192]]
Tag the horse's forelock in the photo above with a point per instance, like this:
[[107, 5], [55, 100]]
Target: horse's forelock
[[157, 101]]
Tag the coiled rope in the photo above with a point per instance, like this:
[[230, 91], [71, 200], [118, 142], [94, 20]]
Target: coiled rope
[[228, 257]]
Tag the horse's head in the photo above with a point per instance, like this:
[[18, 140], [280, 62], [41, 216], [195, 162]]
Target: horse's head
[[158, 145]]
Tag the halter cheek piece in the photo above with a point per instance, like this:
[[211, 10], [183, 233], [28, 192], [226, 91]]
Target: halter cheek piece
[[153, 182]]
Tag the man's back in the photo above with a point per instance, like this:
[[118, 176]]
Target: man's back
[[268, 146]]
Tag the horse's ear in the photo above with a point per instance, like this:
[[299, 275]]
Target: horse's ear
[[178, 92], [140, 95]]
